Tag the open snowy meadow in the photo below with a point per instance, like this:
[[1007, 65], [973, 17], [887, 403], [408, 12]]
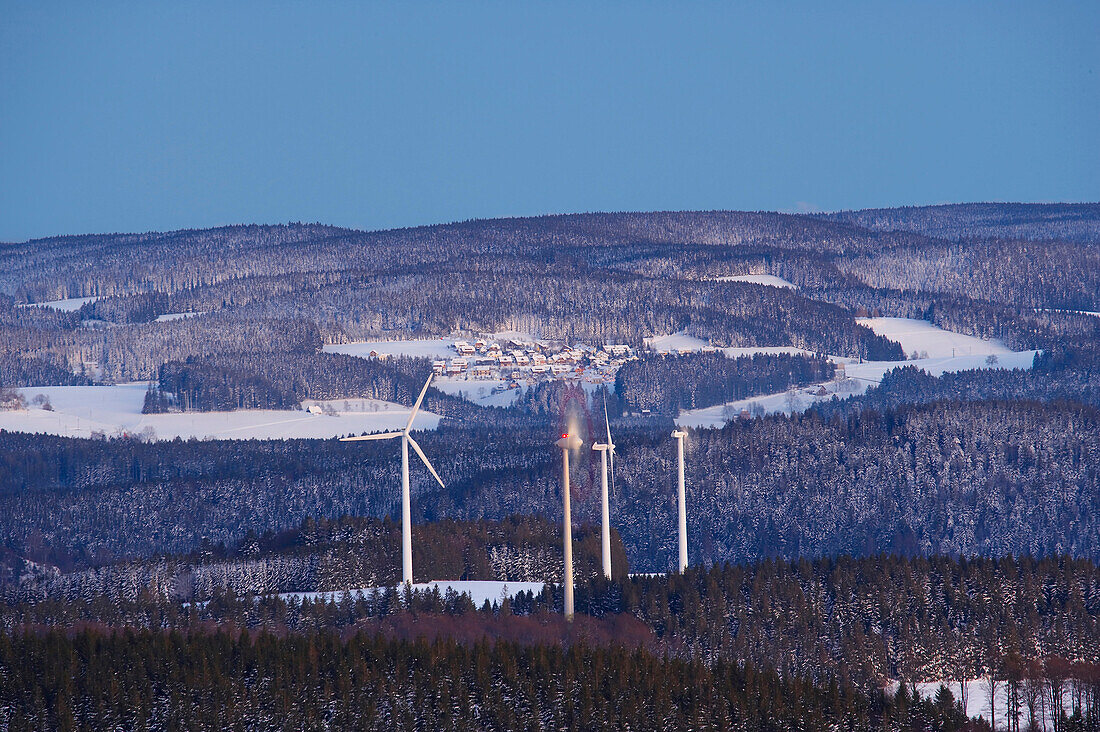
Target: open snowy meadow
[[83, 411]]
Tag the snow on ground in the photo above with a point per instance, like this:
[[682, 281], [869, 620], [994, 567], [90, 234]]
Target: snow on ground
[[426, 348], [676, 342], [175, 316], [859, 378], [479, 591], [759, 279], [683, 342], [977, 700], [512, 335], [930, 341], [773, 350], [478, 391], [69, 305], [78, 411], [481, 391]]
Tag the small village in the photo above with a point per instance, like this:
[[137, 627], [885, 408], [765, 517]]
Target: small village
[[517, 362]]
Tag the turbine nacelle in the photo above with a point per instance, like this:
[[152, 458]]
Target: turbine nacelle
[[569, 442]]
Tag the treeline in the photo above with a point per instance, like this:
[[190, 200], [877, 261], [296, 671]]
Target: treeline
[[911, 385], [329, 555], [883, 617], [862, 621], [211, 681], [667, 384], [279, 380], [1078, 222]]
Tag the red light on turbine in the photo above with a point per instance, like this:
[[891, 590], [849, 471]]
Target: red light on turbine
[[564, 435]]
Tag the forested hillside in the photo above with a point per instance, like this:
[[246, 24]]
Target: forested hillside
[[980, 477], [214, 681], [594, 277]]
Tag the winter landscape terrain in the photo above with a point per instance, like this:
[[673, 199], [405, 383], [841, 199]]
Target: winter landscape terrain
[[891, 471]]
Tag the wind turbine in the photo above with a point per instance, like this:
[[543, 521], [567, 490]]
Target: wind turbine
[[680, 435], [605, 449], [566, 443], [406, 519]]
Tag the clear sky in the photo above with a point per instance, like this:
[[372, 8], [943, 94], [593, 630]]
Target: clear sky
[[163, 115]]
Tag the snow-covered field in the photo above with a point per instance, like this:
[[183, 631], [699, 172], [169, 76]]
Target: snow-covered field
[[676, 342], [69, 305], [479, 591], [930, 341], [167, 317], [427, 348], [80, 411], [935, 345], [759, 279], [977, 700], [684, 342], [478, 391]]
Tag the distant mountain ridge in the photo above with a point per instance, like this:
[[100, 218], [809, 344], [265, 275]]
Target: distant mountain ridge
[[1075, 222]]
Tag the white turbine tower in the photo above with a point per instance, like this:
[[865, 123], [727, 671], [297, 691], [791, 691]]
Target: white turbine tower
[[406, 518], [566, 443], [682, 496], [606, 450]]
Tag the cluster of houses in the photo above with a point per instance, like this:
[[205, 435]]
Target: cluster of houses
[[517, 361]]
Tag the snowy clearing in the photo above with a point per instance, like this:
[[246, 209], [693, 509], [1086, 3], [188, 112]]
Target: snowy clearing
[[483, 392], [977, 700], [930, 341], [479, 591], [495, 392], [167, 317], [859, 378], [69, 305], [683, 343], [759, 279], [79, 411], [676, 342], [427, 348], [512, 335]]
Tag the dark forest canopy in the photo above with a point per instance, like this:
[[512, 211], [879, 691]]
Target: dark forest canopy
[[214, 681]]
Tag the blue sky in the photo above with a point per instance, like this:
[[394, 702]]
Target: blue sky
[[157, 115]]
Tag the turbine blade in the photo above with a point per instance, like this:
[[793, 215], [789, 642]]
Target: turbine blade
[[610, 446], [611, 459], [377, 436], [607, 421], [419, 399], [427, 464]]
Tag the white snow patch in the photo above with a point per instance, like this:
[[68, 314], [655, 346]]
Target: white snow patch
[[759, 279], [859, 377], [175, 316], [478, 591], [930, 341], [78, 411], [426, 348], [676, 342], [977, 700], [68, 305], [512, 335], [683, 342], [772, 350], [483, 392]]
